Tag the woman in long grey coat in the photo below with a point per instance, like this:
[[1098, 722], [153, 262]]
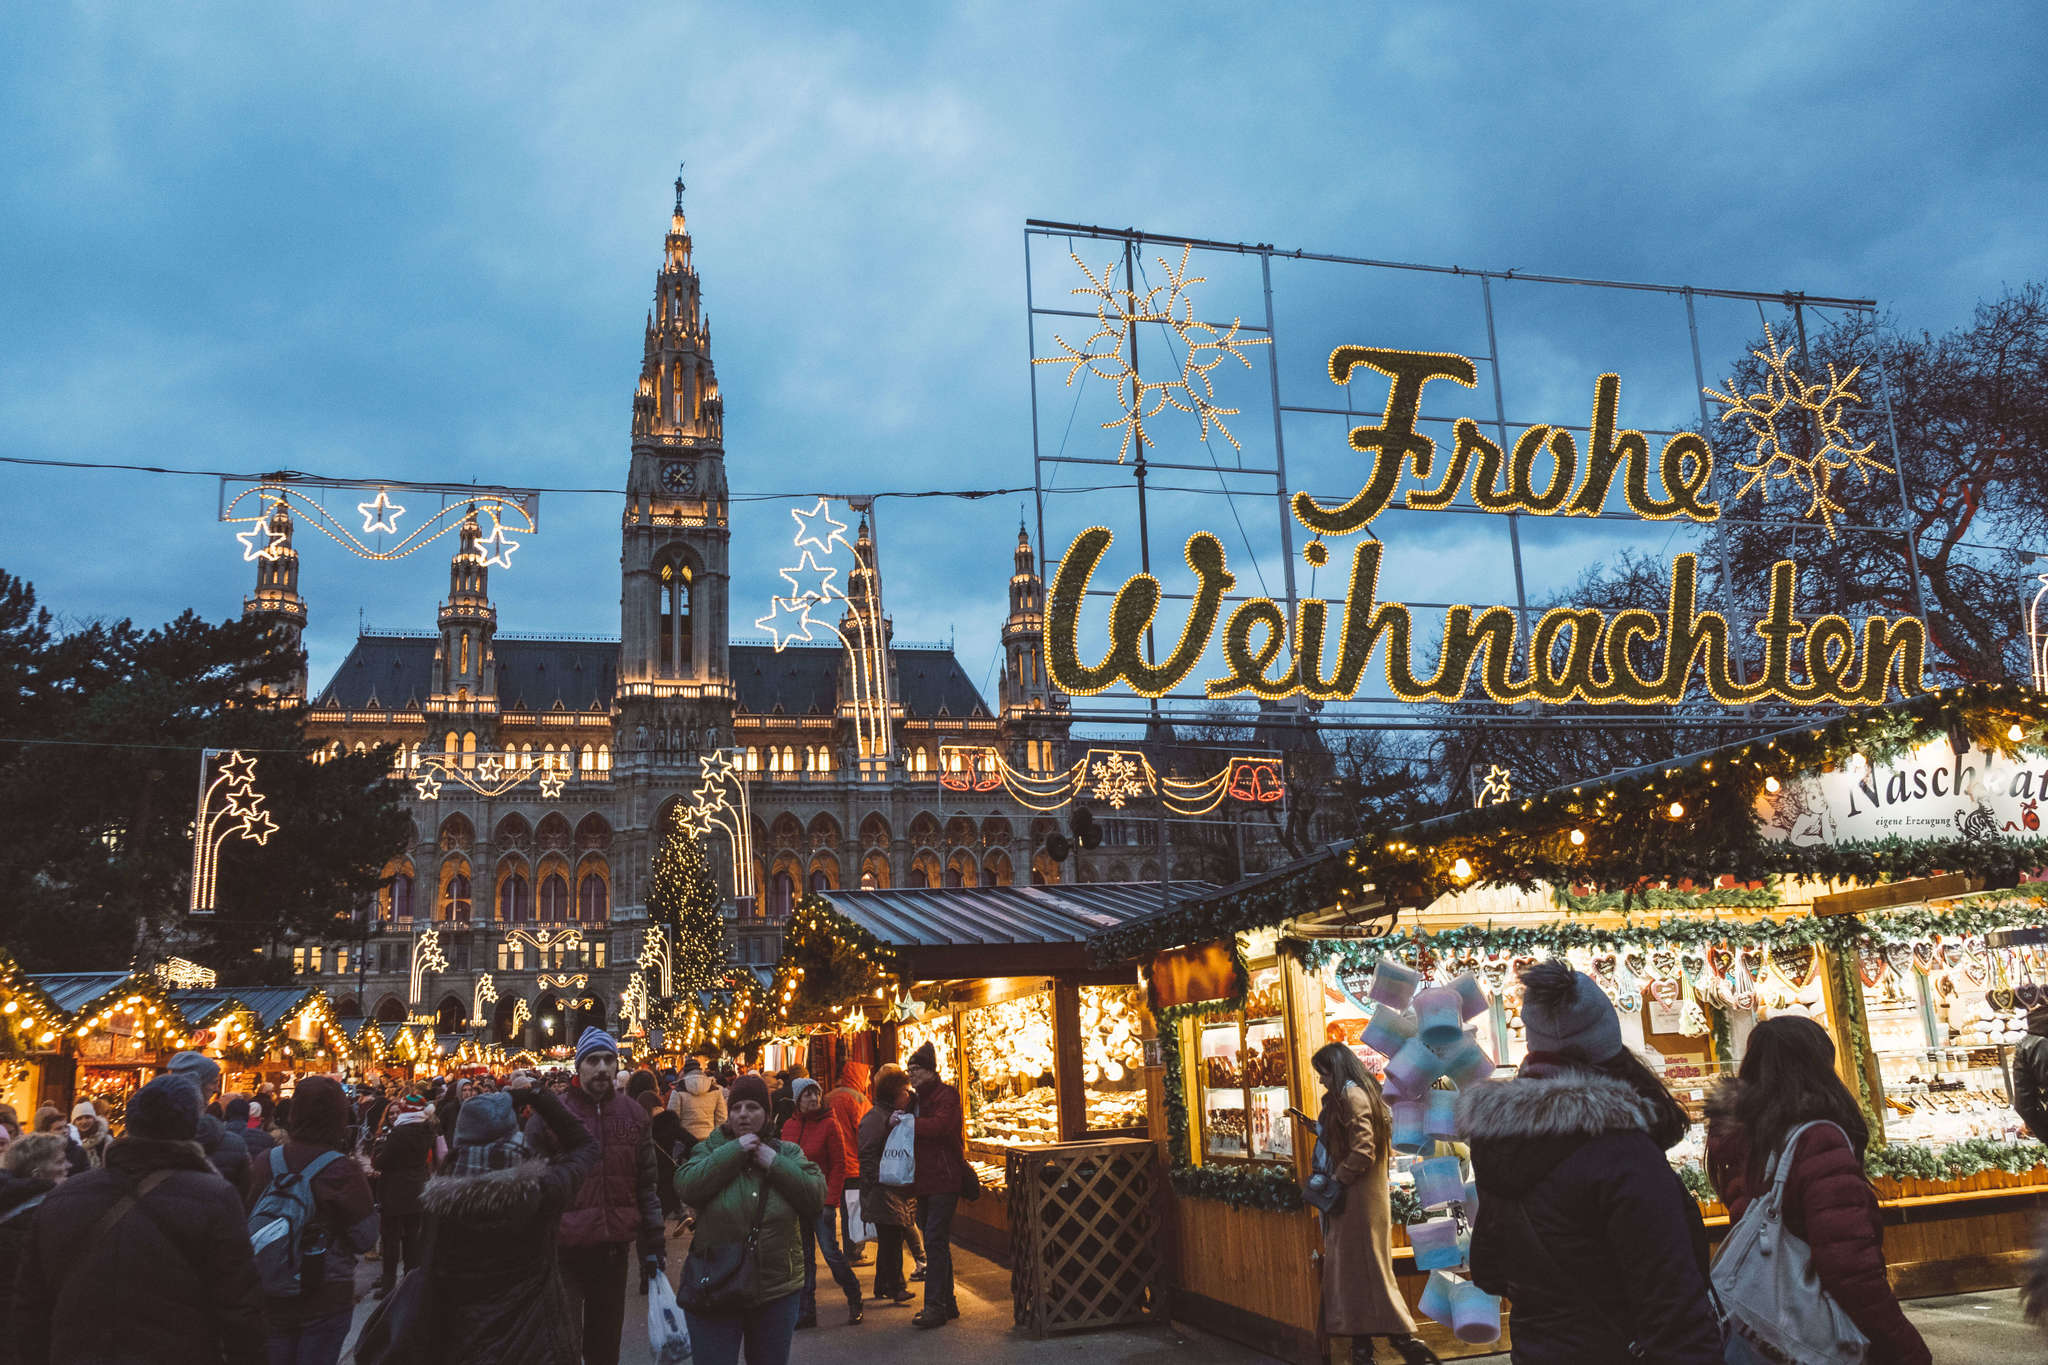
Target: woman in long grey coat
[[886, 1206], [1361, 1297]]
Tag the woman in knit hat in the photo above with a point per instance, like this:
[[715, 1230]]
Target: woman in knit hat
[[743, 1184], [495, 1290], [1582, 1221]]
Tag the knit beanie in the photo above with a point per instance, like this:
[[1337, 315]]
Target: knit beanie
[[745, 1088], [319, 1110], [1565, 1012], [924, 1057], [166, 1110], [485, 1119], [595, 1039], [796, 1091], [200, 1069]]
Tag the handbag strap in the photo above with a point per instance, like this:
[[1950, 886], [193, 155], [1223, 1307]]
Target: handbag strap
[[1780, 1165]]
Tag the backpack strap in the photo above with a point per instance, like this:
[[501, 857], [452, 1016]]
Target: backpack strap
[[121, 1207], [25, 1206]]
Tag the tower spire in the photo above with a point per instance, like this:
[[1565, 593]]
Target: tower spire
[[677, 396], [277, 602]]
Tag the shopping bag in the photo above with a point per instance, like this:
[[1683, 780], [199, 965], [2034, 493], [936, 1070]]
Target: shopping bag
[[668, 1336], [858, 1229], [899, 1157]]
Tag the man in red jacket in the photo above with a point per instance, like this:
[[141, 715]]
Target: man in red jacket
[[941, 1171], [614, 1206]]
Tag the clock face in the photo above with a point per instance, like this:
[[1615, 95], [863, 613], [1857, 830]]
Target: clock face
[[679, 476]]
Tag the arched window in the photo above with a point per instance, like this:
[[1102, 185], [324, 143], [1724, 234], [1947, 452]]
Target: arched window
[[457, 904], [917, 875], [554, 899], [824, 758], [452, 747], [782, 895], [469, 748], [512, 899], [526, 756], [401, 896], [593, 900], [675, 658], [604, 758], [753, 759], [789, 758], [589, 758], [774, 760], [920, 760], [820, 881]]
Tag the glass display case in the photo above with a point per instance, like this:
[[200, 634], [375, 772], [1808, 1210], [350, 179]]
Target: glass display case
[[1113, 1059], [1008, 1084], [1242, 1066]]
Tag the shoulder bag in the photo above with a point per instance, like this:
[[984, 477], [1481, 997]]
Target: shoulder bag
[[1322, 1191], [1770, 1295], [716, 1282]]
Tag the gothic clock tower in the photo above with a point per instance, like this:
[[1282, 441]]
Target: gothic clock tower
[[675, 694]]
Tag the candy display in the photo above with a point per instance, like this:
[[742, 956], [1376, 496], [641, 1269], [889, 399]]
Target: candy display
[[1008, 1090]]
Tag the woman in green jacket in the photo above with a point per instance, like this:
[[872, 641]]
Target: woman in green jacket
[[734, 1178]]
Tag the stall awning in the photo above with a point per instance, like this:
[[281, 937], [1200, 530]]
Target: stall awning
[[270, 1004], [948, 932]]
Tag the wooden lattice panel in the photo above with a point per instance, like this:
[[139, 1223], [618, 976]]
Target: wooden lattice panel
[[1084, 1241]]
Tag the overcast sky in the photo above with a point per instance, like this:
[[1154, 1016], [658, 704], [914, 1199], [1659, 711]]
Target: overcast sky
[[357, 241]]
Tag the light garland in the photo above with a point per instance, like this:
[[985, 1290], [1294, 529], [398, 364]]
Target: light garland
[[231, 795], [1114, 776], [489, 775], [510, 509], [177, 973], [1119, 312]]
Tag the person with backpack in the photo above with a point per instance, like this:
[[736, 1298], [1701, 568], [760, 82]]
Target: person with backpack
[[311, 1215], [613, 1209], [1787, 1080], [144, 1259], [1582, 1222], [30, 1169]]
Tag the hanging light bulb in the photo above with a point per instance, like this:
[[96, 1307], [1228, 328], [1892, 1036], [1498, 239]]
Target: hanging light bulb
[[1461, 868], [1677, 810], [2015, 732], [1578, 837], [1771, 784]]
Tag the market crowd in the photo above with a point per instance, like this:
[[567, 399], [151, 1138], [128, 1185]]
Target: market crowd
[[508, 1218]]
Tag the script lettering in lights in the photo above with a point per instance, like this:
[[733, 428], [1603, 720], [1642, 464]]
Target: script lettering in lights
[[1631, 656]]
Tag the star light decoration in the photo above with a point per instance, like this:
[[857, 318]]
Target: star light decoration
[[1110, 352], [380, 514], [1821, 408], [491, 777], [513, 511], [426, 957], [486, 992], [1496, 788], [811, 583], [712, 806], [229, 807]]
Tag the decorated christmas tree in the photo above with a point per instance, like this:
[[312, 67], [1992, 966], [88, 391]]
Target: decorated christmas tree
[[684, 901]]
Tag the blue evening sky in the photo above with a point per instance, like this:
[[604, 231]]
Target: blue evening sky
[[419, 241]]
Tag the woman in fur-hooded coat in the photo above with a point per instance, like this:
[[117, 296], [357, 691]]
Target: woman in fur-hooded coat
[[495, 1296]]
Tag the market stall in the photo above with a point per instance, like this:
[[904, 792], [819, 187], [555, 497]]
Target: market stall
[[120, 1027], [1833, 871], [1044, 1048]]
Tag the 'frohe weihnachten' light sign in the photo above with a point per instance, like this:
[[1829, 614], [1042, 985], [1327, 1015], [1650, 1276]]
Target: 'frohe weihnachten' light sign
[[1574, 654]]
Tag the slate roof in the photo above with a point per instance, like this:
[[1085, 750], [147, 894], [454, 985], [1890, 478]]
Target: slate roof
[[396, 672], [69, 991], [269, 1003], [994, 916]]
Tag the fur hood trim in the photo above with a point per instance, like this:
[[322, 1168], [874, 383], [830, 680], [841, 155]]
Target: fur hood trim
[[494, 1194], [1579, 1104]]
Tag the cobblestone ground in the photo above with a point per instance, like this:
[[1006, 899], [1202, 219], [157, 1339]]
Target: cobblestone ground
[[1969, 1329]]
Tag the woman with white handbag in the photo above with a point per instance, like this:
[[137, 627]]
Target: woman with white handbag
[[1802, 1272]]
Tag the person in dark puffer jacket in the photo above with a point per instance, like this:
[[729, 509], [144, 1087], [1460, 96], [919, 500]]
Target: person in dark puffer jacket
[[1788, 1078], [313, 1325], [1582, 1222], [174, 1285], [404, 1160], [34, 1166]]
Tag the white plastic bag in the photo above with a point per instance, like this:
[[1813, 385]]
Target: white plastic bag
[[858, 1229], [668, 1336], [899, 1156]]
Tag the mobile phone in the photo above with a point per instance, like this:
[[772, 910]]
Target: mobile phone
[[1296, 1113]]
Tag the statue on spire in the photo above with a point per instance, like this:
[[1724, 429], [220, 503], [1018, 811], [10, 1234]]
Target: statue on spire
[[679, 185]]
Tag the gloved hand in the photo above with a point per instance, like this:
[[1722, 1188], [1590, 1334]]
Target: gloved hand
[[651, 1265]]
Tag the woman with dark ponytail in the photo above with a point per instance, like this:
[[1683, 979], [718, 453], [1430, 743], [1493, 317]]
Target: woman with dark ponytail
[[1361, 1298]]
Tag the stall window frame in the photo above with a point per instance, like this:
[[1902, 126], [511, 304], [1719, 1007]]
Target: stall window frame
[[1194, 1072]]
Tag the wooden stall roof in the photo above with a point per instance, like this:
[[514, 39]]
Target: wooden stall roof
[[268, 1003], [72, 991], [972, 931]]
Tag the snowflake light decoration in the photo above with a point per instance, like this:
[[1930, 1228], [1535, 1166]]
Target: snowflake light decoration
[[1110, 352], [1786, 396], [1116, 780]]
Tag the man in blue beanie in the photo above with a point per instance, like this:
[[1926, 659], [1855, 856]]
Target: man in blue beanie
[[617, 1206]]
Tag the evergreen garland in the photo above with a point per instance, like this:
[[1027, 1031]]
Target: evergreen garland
[[830, 966]]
